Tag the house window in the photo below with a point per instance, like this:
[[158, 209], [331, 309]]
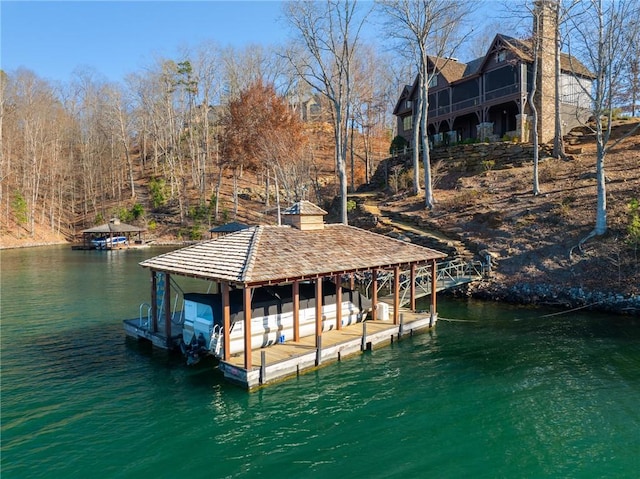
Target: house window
[[407, 123], [501, 56], [433, 81], [408, 104]]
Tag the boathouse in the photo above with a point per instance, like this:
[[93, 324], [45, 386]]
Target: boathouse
[[303, 250], [108, 231]]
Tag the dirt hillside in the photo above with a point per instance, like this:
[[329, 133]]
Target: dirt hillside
[[489, 212], [532, 240]]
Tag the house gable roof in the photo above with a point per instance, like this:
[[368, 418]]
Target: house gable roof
[[406, 93], [453, 71], [450, 69], [502, 42], [277, 254], [522, 49]]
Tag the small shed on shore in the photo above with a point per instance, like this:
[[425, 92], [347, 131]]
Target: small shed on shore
[[110, 230], [303, 249]]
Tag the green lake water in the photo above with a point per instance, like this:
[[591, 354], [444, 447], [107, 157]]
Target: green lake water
[[495, 391]]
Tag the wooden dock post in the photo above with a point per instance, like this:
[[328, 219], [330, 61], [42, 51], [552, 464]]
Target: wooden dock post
[[401, 327], [363, 345], [247, 327], [396, 294], [318, 350], [318, 320], [154, 302], [263, 366], [434, 288], [226, 320], [338, 280], [412, 288], [374, 293], [167, 308], [296, 311]]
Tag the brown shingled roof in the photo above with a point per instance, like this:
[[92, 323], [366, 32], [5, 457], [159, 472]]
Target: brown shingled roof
[[449, 68], [113, 227], [568, 63], [275, 254], [304, 207]]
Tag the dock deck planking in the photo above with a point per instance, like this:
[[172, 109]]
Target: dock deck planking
[[283, 360]]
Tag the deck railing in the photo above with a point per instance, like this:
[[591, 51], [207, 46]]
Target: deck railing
[[448, 274], [145, 323]]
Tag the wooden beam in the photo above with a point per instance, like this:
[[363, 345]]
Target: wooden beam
[[338, 302], [226, 321], [318, 311], [247, 327], [434, 272], [374, 293], [167, 308], [396, 295], [154, 301], [296, 311]]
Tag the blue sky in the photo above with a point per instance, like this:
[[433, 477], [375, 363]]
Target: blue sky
[[53, 38], [118, 37]]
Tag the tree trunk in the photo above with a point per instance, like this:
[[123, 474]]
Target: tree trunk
[[415, 143], [601, 200]]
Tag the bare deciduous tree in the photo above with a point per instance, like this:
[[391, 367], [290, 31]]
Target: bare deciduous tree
[[328, 35], [602, 35], [428, 30]]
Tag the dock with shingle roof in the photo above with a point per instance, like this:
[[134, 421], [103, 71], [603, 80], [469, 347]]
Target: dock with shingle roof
[[109, 230], [304, 249]]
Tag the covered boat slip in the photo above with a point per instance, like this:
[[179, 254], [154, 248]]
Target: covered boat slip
[[111, 235], [280, 361], [304, 253]]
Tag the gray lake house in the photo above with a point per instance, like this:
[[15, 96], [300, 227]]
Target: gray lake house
[[487, 99]]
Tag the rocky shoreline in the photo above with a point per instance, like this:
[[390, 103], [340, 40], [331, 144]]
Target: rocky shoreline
[[568, 298]]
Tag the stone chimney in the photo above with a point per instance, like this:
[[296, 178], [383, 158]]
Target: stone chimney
[[545, 21], [305, 216]]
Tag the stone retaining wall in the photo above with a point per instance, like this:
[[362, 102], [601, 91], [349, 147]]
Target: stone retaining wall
[[475, 157]]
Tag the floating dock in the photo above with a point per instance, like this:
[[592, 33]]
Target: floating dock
[[282, 361]]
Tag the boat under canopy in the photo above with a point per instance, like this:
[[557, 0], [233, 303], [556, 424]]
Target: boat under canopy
[[272, 317]]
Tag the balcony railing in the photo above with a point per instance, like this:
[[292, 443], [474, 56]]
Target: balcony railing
[[500, 92], [461, 105], [474, 101]]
